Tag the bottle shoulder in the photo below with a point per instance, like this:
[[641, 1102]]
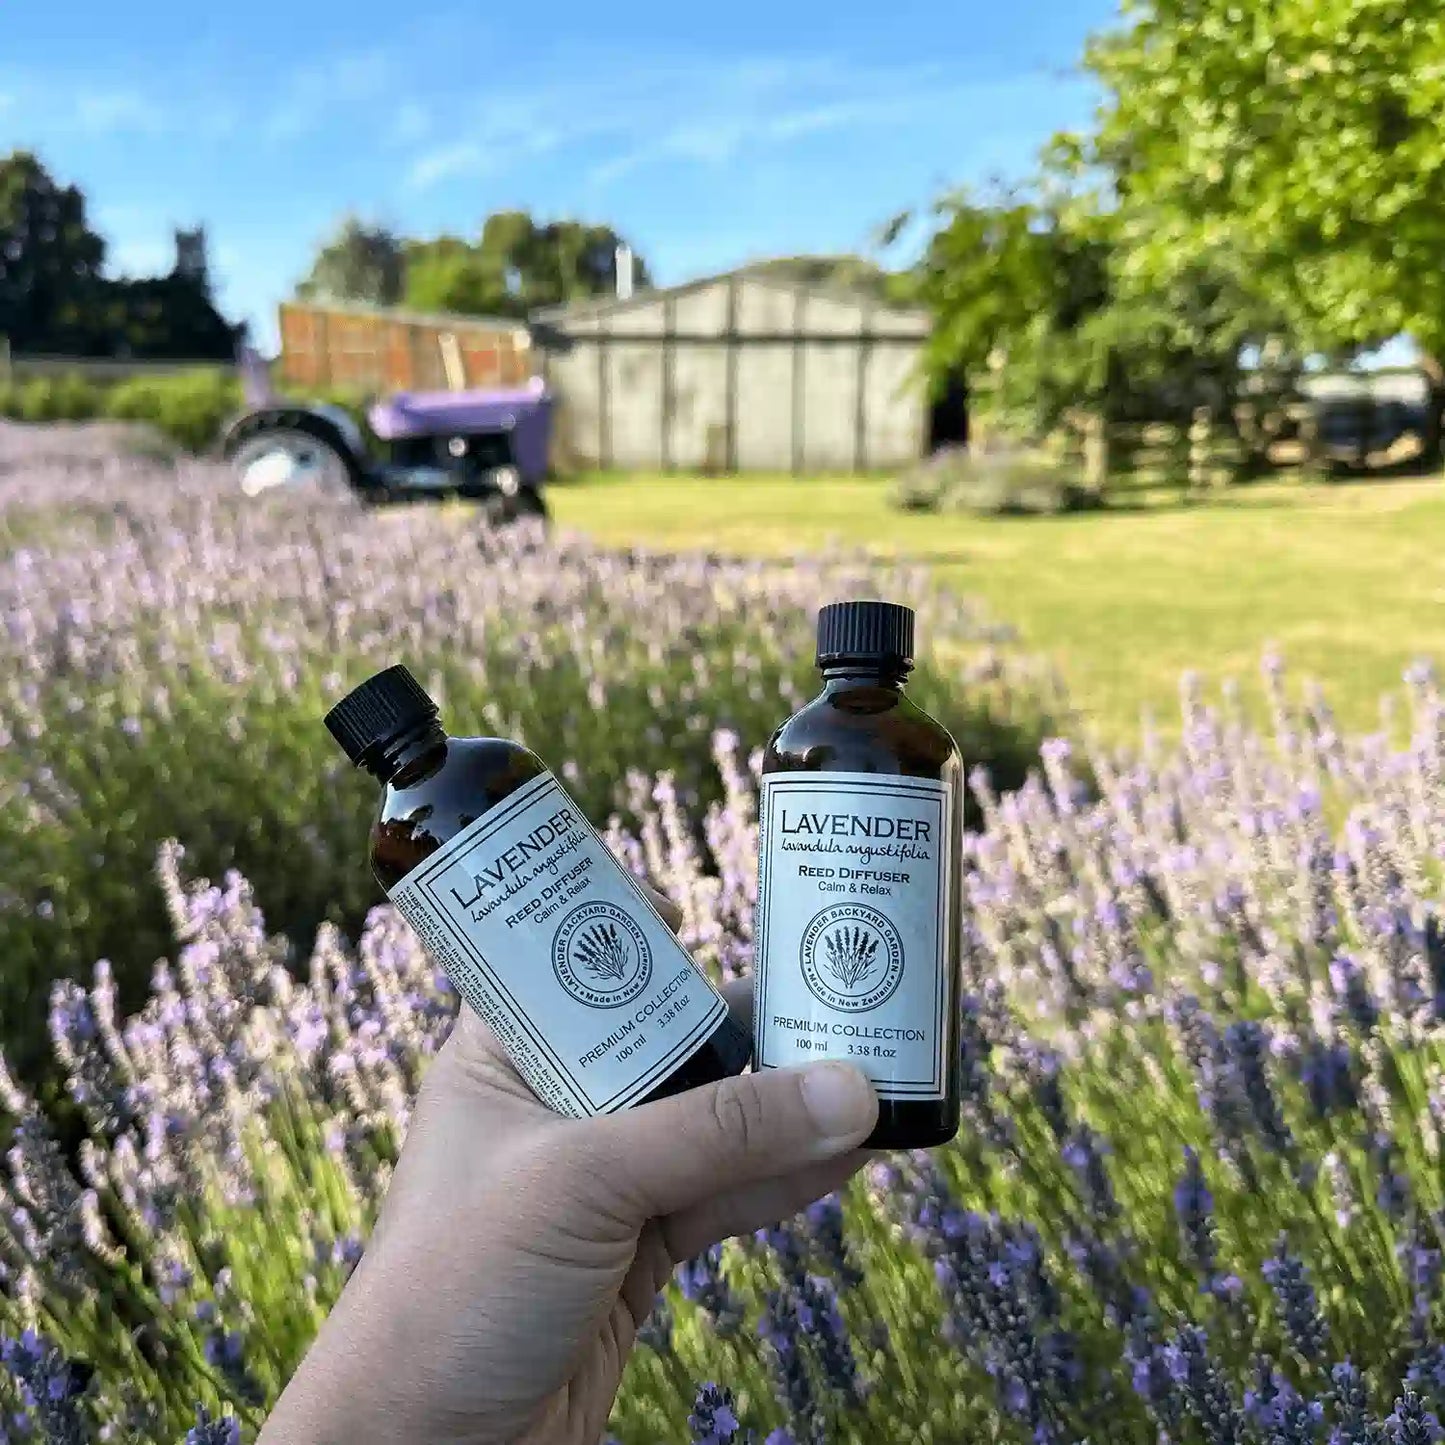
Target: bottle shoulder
[[425, 806], [864, 730]]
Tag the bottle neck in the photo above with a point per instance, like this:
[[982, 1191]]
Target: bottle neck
[[387, 761], [844, 676]]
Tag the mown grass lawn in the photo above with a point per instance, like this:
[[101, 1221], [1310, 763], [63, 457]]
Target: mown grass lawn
[[1346, 580]]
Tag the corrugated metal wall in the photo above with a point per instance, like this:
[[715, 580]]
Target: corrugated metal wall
[[737, 374], [383, 351]]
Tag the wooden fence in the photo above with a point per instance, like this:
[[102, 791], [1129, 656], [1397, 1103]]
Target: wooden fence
[[355, 349]]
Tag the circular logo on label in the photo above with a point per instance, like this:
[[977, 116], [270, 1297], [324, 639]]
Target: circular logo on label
[[852, 957], [601, 956]]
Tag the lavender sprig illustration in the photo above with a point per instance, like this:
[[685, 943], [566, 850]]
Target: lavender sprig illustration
[[604, 953], [851, 955]]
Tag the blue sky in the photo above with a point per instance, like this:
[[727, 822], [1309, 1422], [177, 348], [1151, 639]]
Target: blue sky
[[708, 135]]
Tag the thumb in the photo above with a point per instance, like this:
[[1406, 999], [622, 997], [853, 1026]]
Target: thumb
[[678, 1152]]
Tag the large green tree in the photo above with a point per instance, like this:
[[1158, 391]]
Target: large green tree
[[1297, 141], [449, 273], [1034, 280], [359, 262], [514, 265], [50, 259], [54, 298]]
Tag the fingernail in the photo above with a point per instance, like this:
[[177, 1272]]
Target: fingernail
[[840, 1101]]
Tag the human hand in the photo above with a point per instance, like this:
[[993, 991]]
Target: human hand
[[518, 1251]]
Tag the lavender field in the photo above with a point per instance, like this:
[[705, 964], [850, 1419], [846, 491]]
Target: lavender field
[[1198, 1196]]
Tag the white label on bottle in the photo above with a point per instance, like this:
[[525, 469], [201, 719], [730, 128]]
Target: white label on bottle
[[549, 940], [852, 927]]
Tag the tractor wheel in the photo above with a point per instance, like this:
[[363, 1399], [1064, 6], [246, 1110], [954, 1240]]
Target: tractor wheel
[[499, 511], [529, 502], [267, 456]]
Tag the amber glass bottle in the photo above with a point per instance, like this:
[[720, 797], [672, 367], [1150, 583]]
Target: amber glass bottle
[[539, 928], [858, 887]]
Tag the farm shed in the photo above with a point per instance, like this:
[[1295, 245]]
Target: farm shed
[[380, 349], [738, 372]]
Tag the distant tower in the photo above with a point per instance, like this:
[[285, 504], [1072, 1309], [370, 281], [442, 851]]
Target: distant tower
[[191, 262]]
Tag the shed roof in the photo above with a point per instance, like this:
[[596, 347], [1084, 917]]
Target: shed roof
[[613, 306]]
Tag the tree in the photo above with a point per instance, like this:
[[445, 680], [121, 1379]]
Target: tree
[[1018, 276], [361, 262], [515, 267], [1299, 143], [1039, 276], [450, 274], [50, 259], [161, 318]]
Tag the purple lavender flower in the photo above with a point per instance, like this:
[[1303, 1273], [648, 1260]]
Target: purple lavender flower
[[52, 1386], [225, 1350], [701, 1281], [1247, 1049], [1152, 1376], [1392, 1189], [1421, 1257], [783, 1327], [1280, 1412], [1327, 1071], [1412, 1423], [1194, 1209], [825, 1228], [1350, 986], [222, 1430], [713, 1420], [1295, 1298], [1003, 1307], [1202, 1389], [1083, 1151], [1355, 1424]]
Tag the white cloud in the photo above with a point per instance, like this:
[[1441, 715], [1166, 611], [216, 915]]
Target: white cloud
[[759, 105], [495, 138], [412, 123], [108, 112], [446, 163], [314, 94], [77, 105], [629, 111]]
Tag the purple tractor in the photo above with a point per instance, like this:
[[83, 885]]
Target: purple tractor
[[487, 446]]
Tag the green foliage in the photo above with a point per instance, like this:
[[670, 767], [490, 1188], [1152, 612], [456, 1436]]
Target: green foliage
[[516, 265], [189, 407], [163, 318], [360, 262], [54, 299], [49, 256], [61, 398], [1301, 141], [1035, 300], [450, 274], [1007, 481]]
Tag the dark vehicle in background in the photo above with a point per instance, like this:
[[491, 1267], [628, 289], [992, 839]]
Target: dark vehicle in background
[[489, 446]]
